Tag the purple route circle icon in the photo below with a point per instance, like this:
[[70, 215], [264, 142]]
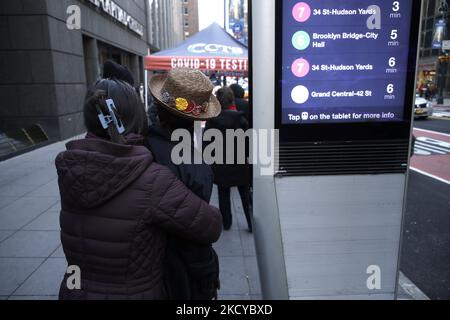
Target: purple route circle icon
[[300, 68], [301, 12]]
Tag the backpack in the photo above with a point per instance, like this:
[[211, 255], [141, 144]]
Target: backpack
[[191, 271]]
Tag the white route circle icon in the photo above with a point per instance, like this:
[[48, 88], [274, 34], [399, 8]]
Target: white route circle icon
[[300, 94]]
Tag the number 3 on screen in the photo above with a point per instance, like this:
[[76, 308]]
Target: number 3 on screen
[[396, 6]]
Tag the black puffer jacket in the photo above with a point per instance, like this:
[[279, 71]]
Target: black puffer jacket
[[242, 105], [118, 208], [182, 281], [230, 175], [199, 178]]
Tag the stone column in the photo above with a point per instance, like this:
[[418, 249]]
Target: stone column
[[149, 20], [171, 28], [135, 69], [163, 25], [91, 60]]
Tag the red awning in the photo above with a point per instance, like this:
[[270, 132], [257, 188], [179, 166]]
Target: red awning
[[160, 63]]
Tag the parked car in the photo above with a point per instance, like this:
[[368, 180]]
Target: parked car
[[423, 108]]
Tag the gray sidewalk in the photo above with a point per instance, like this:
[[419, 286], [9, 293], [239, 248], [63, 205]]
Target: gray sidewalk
[[32, 262]]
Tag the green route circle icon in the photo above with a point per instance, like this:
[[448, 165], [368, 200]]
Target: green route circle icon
[[301, 40]]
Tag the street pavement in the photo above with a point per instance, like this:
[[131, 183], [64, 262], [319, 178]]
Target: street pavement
[[32, 261], [441, 125], [432, 154], [442, 111], [426, 243]]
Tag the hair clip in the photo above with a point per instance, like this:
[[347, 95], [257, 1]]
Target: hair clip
[[104, 120], [111, 118], [113, 113]]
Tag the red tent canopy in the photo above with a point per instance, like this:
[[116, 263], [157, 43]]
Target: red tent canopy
[[212, 49]]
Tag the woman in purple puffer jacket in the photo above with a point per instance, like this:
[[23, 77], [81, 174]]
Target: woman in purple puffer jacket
[[119, 206]]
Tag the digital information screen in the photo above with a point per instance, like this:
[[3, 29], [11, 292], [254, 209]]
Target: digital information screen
[[344, 61]]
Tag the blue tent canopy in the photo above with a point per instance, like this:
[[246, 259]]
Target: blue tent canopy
[[210, 49]]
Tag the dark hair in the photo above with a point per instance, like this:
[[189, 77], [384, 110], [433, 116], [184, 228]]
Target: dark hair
[[238, 91], [112, 69], [226, 97], [129, 109], [171, 121]]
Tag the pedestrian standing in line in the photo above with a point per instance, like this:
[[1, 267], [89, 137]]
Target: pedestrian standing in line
[[118, 207], [227, 176], [182, 97], [242, 105]]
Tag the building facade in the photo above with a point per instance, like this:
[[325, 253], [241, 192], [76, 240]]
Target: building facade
[[431, 73], [236, 19], [165, 26], [52, 50], [190, 18]]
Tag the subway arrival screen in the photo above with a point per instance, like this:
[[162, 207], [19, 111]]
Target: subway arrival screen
[[344, 61]]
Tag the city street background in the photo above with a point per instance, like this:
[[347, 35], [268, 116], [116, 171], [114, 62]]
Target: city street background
[[426, 243]]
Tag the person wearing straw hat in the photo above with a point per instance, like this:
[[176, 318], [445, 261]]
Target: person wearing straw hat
[[181, 97]]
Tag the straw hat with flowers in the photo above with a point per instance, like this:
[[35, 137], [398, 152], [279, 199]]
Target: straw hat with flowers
[[186, 93]]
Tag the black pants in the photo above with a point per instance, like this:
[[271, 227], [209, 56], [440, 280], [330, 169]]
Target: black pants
[[225, 205]]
